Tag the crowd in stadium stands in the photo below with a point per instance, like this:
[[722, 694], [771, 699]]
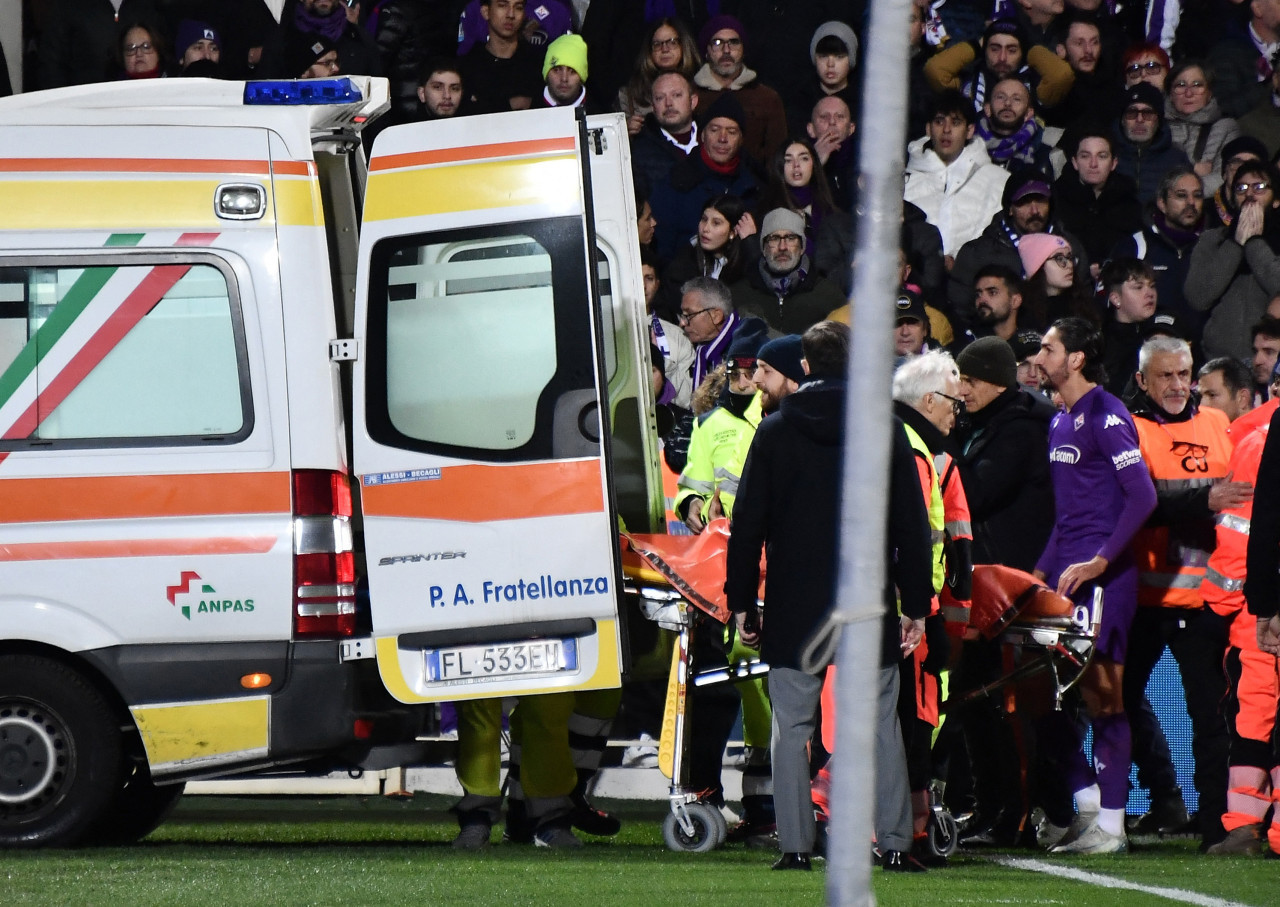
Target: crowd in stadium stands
[[1089, 311]]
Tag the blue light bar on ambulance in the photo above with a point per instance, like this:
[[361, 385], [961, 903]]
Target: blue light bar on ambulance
[[306, 91]]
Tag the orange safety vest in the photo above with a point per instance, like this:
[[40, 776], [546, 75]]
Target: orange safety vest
[[1223, 585], [959, 527], [1179, 455], [670, 487], [1255, 418]]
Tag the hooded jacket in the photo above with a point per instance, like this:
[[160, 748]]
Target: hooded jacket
[[959, 198], [1004, 464], [789, 503]]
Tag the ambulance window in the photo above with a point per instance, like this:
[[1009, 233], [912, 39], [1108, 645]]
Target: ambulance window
[[147, 352], [478, 337]]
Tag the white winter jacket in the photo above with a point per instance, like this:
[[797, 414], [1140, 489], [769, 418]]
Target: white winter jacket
[[959, 199]]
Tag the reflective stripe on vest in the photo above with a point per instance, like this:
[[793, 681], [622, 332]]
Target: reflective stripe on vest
[[1170, 580], [1233, 522], [937, 518], [1181, 484], [1222, 582], [959, 529]]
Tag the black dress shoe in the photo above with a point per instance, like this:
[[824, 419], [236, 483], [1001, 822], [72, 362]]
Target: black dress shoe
[[793, 861], [897, 861]]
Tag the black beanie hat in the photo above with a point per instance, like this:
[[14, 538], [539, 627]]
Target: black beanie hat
[[726, 106], [989, 359]]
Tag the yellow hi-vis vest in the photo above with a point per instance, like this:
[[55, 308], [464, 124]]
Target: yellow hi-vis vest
[[933, 499]]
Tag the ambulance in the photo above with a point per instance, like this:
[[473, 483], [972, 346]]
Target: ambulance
[[298, 440]]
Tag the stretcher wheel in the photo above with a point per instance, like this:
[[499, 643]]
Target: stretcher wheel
[[708, 833], [944, 833]]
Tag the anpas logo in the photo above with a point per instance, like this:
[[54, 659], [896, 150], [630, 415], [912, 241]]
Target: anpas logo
[[1065, 454], [204, 598]]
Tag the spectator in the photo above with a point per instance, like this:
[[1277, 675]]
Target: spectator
[[335, 22], [311, 56], [143, 52], [409, 35], [723, 42], [709, 322], [1095, 92], [440, 89], [668, 133], [1222, 211], [783, 288], [833, 51], [196, 41], [675, 348], [1130, 286], [80, 40], [719, 249], [1196, 121], [1235, 270], [1263, 121], [668, 47], [1102, 496], [716, 168], [1004, 52], [831, 127], [1050, 290], [1266, 351], [997, 294], [1226, 384], [1171, 551], [1026, 208], [911, 327], [543, 23], [1242, 58], [797, 180], [503, 73], [785, 496], [1095, 202], [564, 70], [1010, 131], [1166, 243], [949, 175], [1143, 145], [1145, 63]]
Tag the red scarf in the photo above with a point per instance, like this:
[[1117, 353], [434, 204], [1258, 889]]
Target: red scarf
[[723, 169]]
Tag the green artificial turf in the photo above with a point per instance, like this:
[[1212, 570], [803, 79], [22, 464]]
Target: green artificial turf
[[287, 851]]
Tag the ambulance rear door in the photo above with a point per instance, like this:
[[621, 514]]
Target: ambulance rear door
[[480, 439]]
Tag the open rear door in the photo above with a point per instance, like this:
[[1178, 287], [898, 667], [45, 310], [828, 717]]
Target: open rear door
[[480, 439]]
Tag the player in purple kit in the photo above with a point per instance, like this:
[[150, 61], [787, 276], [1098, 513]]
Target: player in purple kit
[[1103, 494]]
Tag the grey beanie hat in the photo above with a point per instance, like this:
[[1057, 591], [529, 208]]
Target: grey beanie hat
[[837, 29], [781, 219], [989, 359]]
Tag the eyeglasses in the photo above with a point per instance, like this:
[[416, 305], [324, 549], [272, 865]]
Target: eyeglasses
[[135, 50], [777, 239], [1182, 85], [685, 317], [1063, 260], [718, 43], [1140, 113], [957, 405], [662, 43], [1260, 186], [1149, 66]]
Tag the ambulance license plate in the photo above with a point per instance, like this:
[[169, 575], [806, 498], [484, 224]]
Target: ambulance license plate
[[535, 656]]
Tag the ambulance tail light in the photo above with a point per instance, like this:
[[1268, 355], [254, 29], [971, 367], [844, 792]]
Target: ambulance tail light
[[324, 600]]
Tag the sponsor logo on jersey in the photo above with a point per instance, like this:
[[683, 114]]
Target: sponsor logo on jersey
[[1112, 419], [1065, 454], [1126, 458]]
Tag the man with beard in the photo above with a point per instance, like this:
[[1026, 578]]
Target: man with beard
[[565, 70], [1103, 494], [1009, 128], [1143, 145], [1186, 449], [1166, 243], [1235, 270], [1026, 209], [1095, 92], [1004, 52], [335, 21], [440, 89], [997, 299], [783, 288], [723, 41]]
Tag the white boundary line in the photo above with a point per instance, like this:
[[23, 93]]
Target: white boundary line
[[1106, 881]]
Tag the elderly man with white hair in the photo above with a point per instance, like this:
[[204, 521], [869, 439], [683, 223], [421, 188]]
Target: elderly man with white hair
[[926, 395]]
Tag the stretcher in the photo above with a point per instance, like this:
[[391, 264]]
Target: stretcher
[[677, 578]]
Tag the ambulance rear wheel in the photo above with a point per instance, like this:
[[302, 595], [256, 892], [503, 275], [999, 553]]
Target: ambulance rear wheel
[[60, 753], [704, 837]]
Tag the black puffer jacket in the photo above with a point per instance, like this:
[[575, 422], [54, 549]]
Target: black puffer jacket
[[411, 32], [1005, 469]]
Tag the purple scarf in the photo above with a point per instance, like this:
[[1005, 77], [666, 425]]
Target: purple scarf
[[710, 354], [331, 26], [1021, 146]]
